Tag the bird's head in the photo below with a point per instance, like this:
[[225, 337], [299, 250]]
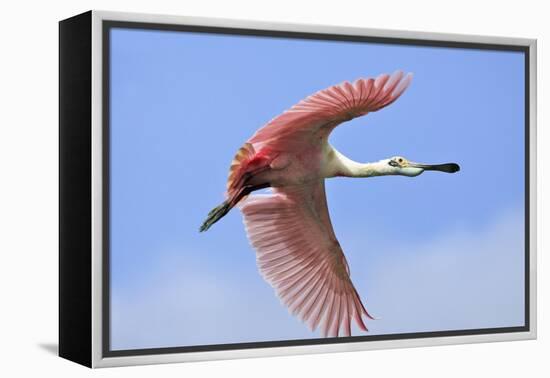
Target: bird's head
[[398, 165]]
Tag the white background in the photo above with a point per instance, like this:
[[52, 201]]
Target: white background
[[28, 186]]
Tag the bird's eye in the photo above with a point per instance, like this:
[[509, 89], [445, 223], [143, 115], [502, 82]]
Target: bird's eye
[[400, 160]]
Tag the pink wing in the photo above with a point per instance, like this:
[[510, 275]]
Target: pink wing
[[326, 109], [298, 254], [312, 119]]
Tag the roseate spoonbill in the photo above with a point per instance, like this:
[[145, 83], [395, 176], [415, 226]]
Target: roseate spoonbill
[[290, 229]]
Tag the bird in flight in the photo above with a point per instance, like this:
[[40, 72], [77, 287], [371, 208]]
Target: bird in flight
[[290, 228]]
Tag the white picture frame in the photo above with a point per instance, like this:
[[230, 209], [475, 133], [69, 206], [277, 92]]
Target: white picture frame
[[84, 340]]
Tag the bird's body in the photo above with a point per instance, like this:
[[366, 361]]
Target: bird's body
[[290, 229]]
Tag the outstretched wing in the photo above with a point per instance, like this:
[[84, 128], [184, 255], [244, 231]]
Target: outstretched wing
[[299, 255], [324, 110], [313, 118]]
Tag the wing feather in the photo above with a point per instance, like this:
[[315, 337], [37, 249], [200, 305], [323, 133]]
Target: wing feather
[[298, 254], [329, 107], [314, 117]]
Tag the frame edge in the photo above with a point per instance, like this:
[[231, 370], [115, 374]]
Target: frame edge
[[75, 287]]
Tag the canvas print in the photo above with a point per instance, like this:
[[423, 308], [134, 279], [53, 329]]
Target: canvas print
[[269, 189]]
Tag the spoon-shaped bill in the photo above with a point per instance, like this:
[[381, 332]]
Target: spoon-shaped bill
[[446, 167]]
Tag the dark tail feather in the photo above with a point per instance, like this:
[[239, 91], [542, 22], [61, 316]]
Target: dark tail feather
[[215, 215], [219, 212]]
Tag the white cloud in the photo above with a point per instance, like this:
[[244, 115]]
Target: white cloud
[[463, 279], [185, 302]]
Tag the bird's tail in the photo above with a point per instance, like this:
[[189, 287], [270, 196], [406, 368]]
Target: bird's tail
[[216, 214]]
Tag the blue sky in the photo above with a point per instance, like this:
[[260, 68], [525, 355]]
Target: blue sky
[[435, 252]]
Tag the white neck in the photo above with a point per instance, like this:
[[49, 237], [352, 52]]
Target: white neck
[[340, 165]]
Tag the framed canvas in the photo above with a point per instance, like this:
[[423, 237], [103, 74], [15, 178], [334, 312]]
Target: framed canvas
[[236, 189]]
